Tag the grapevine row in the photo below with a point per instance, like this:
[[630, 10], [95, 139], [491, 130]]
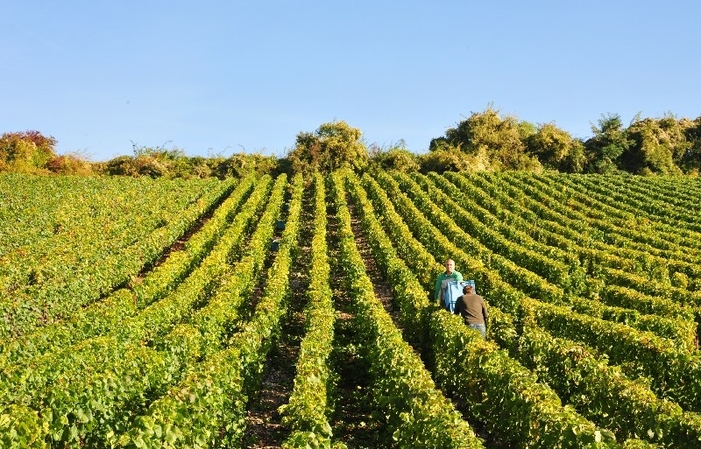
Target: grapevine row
[[461, 356], [306, 412], [115, 361], [419, 414]]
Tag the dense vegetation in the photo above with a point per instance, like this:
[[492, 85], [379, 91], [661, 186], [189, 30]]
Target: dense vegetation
[[140, 312], [148, 308], [485, 141]]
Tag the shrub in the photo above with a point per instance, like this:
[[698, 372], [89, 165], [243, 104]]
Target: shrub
[[396, 158], [242, 164], [27, 151], [69, 164], [446, 159], [332, 146]]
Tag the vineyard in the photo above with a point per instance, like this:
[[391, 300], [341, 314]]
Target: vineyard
[[156, 313]]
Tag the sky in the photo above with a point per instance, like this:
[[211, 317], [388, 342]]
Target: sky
[[215, 78]]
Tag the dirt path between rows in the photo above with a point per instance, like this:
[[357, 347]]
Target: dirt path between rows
[[353, 422], [263, 421]]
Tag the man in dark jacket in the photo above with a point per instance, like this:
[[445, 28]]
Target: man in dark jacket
[[472, 309]]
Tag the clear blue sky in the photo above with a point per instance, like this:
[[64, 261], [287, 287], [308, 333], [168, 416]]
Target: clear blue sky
[[222, 77]]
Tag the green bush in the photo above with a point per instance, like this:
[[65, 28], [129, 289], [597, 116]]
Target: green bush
[[331, 147], [443, 160], [26, 152], [397, 158]]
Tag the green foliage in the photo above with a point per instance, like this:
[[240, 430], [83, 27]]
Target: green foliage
[[108, 230], [664, 146], [600, 391], [32, 152], [503, 391], [332, 146], [403, 391], [485, 141], [445, 159], [26, 152], [69, 164], [160, 162], [241, 164], [397, 157], [526, 130], [653, 146], [610, 141], [306, 413], [556, 149], [20, 428], [690, 160], [501, 139], [155, 162], [603, 392], [139, 166], [151, 363], [673, 135]]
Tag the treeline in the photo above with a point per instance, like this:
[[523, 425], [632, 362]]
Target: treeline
[[485, 141], [647, 146], [31, 152]]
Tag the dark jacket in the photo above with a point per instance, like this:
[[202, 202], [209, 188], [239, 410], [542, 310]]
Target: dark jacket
[[472, 309]]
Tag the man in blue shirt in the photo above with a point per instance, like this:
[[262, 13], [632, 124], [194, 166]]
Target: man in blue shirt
[[450, 274]]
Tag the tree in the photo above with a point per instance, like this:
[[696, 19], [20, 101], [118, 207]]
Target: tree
[[690, 161], [332, 146], [500, 139], [653, 144], [675, 131], [556, 149], [609, 142], [396, 157], [443, 160]]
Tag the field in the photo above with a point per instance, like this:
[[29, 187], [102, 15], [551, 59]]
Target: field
[[289, 312]]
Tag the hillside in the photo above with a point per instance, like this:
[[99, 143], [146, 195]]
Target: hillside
[[286, 312]]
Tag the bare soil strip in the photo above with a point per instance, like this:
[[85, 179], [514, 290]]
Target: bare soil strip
[[353, 422], [263, 422]]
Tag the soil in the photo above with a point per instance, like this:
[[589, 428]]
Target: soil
[[263, 422], [353, 422]]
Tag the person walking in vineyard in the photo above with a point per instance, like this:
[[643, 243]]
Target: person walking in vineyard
[[450, 274], [473, 310]]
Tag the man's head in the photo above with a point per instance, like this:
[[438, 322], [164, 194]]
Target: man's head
[[449, 266], [468, 290]]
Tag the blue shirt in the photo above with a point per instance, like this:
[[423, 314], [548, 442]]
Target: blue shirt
[[441, 283]]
